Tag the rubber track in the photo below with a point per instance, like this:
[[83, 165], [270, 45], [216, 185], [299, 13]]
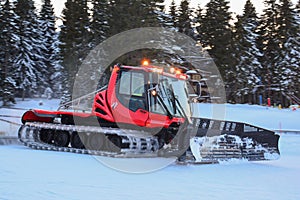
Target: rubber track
[[29, 140], [212, 156]]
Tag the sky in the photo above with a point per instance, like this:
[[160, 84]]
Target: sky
[[236, 5]]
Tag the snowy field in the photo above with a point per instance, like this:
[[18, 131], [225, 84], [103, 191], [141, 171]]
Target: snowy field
[[15, 112], [31, 174], [270, 118], [262, 116]]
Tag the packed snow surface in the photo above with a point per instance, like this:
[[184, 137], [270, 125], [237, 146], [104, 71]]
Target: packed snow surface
[[265, 117], [31, 174], [15, 112]]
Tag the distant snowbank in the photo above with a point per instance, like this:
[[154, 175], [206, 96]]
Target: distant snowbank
[[14, 113], [266, 117], [38, 103], [270, 118]]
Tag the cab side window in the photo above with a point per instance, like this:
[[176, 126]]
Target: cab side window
[[132, 90], [132, 83]]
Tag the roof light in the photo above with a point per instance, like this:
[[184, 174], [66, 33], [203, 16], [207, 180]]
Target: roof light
[[178, 72], [145, 62]]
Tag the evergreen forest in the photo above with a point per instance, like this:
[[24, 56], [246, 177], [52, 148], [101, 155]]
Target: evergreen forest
[[258, 55]]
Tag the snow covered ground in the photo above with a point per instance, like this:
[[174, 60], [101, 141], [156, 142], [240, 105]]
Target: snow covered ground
[[15, 112], [31, 174], [270, 118]]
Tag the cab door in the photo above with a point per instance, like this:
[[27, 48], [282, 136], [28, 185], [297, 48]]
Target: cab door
[[131, 105]]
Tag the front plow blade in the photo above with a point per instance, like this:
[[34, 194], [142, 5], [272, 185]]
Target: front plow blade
[[215, 140]]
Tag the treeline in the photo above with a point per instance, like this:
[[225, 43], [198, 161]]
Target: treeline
[[258, 55], [29, 51]]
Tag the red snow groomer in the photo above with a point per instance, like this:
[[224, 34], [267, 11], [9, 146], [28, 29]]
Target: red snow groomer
[[144, 111]]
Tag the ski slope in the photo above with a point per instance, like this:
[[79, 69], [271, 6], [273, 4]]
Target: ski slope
[[31, 174], [15, 112], [265, 117]]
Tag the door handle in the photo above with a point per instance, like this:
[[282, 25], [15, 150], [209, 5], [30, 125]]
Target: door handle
[[143, 111]]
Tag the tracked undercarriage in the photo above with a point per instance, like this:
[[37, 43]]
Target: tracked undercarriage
[[88, 140]]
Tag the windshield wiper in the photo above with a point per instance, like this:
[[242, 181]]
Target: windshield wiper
[[181, 110], [172, 98], [161, 101], [169, 114]]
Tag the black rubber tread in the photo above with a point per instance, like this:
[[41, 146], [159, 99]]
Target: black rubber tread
[[29, 135], [224, 151]]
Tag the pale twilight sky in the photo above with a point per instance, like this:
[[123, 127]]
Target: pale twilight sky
[[236, 5]]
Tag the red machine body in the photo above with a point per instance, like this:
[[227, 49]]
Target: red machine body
[[116, 106]]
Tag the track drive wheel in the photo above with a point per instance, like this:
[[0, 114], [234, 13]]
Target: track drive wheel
[[96, 141], [46, 136], [61, 138], [77, 140], [114, 143]]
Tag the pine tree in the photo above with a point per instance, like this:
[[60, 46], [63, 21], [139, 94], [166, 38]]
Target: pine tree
[[184, 19], [75, 39], [174, 12], [154, 12], [297, 70], [30, 72], [7, 45], [248, 67], [269, 44], [100, 18], [297, 14], [168, 20], [52, 51], [58, 75], [198, 20], [215, 21], [130, 14], [297, 8], [216, 36], [173, 15], [287, 69]]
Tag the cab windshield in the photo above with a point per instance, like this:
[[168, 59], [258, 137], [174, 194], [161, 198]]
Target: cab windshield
[[173, 97]]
